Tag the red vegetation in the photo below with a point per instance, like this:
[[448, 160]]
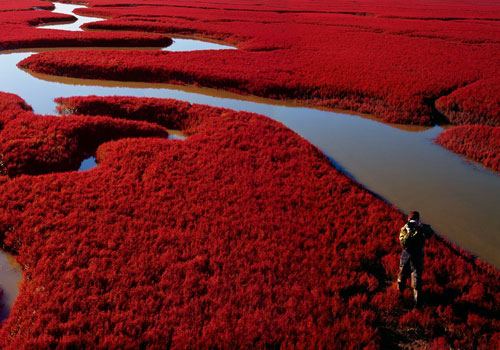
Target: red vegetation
[[18, 36], [12, 106], [38, 145], [166, 113], [477, 142], [16, 5], [477, 103], [31, 144], [32, 18], [241, 236], [392, 59], [171, 114]]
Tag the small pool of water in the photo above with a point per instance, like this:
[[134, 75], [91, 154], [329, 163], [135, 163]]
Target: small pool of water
[[10, 279], [182, 45], [176, 135], [87, 164]]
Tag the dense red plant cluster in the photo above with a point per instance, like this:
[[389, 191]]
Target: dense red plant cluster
[[32, 18], [241, 236], [171, 114], [454, 9], [17, 5], [477, 103], [12, 106], [392, 59], [19, 36], [478, 142], [32, 144]]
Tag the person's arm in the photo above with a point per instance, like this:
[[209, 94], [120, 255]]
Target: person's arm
[[403, 236], [428, 231]]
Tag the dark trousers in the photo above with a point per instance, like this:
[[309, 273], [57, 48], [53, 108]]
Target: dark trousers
[[411, 262]]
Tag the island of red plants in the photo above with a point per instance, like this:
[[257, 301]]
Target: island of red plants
[[478, 142], [240, 236], [477, 107]]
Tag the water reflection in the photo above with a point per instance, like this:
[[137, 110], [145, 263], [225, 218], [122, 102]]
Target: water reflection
[[10, 278], [176, 135], [88, 164], [180, 45]]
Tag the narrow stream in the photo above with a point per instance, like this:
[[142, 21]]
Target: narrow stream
[[178, 45], [460, 199], [67, 9]]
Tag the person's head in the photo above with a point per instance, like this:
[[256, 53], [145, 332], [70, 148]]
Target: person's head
[[414, 215]]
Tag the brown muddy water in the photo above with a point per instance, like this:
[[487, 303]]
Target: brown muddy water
[[460, 199]]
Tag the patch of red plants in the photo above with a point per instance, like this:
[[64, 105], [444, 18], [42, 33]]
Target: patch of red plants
[[33, 144], [19, 31], [32, 18], [444, 10], [392, 59], [480, 143], [19, 36], [241, 236], [477, 103], [12, 106], [37, 145], [17, 5]]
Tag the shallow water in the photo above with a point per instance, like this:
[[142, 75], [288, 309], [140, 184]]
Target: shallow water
[[88, 164], [67, 9], [180, 45], [176, 135], [460, 199], [10, 278]]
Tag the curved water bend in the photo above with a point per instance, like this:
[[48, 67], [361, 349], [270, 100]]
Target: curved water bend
[[67, 9], [10, 278], [178, 45]]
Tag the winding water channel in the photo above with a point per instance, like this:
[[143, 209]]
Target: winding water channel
[[460, 199]]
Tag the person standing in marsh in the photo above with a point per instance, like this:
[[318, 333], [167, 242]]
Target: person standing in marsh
[[412, 237]]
